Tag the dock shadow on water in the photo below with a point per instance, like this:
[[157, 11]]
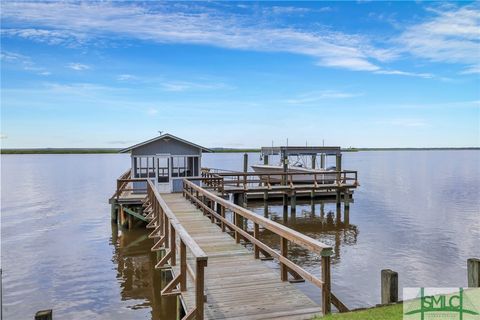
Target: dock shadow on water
[[139, 281]]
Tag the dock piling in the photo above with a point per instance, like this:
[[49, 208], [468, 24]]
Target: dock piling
[[114, 213], [293, 203], [473, 271], [44, 315], [326, 298], [389, 283]]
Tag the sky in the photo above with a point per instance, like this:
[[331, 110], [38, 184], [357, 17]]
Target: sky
[[240, 74]]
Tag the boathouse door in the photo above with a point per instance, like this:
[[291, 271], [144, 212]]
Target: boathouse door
[[163, 180]]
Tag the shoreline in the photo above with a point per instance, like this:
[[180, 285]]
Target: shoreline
[[215, 150]]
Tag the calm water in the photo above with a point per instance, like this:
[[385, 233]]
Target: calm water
[[417, 213]]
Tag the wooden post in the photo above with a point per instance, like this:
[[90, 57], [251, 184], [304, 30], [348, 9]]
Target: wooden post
[[265, 209], [473, 270], [265, 159], [166, 230], [326, 298], [212, 206], [114, 213], [245, 162], [256, 234], [245, 169], [322, 161], [218, 209], [338, 166], [44, 315], [283, 252], [236, 223], [338, 198], [346, 218], [241, 200], [173, 246], [293, 203], [235, 198], [183, 266], [389, 283], [314, 160], [130, 221], [200, 288], [346, 198]]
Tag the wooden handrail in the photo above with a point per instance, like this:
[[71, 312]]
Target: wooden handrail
[[205, 200], [292, 235], [191, 244], [345, 178], [167, 229]]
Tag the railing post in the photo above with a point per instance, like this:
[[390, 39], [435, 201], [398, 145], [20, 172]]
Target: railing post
[[166, 229], [222, 213], [200, 288], [283, 252], [173, 246], [235, 222], [212, 207], [326, 298], [183, 266], [256, 250]]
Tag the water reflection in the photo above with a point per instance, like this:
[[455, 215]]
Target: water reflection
[[324, 221], [140, 282]]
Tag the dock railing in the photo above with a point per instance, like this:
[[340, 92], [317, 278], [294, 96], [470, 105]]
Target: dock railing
[[307, 180], [215, 207], [122, 183], [166, 230]]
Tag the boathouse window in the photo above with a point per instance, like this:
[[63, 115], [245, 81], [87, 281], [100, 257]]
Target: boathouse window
[[144, 167], [184, 166]]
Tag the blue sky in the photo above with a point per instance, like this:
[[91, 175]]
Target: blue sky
[[240, 74]]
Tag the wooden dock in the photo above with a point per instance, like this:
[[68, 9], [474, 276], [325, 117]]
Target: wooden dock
[[237, 285], [200, 237]]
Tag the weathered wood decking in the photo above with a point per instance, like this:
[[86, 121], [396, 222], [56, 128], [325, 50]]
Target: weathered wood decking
[[237, 285], [199, 235]]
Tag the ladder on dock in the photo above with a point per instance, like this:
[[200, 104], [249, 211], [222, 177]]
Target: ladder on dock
[[200, 238]]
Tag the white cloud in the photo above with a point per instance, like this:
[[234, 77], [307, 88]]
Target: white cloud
[[25, 62], [321, 95], [472, 69], [94, 20], [78, 66], [405, 73], [452, 36], [178, 86], [126, 77]]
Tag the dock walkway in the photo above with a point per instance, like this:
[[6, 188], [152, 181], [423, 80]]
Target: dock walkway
[[200, 237], [237, 285]]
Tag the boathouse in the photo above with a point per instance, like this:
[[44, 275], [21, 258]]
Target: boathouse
[[166, 160]]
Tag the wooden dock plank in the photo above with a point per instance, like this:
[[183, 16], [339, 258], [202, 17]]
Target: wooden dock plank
[[237, 285]]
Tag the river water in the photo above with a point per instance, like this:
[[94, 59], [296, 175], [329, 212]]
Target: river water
[[416, 212]]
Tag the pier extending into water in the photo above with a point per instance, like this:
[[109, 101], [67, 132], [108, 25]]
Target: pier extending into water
[[218, 259]]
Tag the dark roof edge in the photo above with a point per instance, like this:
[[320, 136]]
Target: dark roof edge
[[166, 135]]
